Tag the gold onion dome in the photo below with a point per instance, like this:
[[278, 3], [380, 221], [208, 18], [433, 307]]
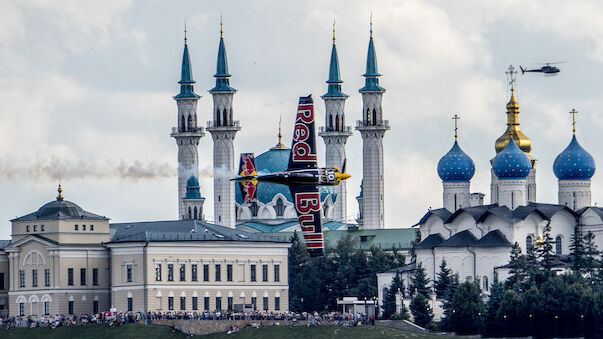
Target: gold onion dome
[[523, 142]]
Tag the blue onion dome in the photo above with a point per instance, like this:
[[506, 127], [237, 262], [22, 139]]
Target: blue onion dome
[[574, 163], [456, 165], [511, 162], [192, 188]]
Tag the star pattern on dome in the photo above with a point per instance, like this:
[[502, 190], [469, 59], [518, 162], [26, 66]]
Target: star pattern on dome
[[511, 163], [456, 165], [574, 163]]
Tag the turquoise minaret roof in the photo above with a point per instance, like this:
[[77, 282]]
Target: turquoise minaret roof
[[371, 82], [222, 75], [334, 89], [192, 188], [186, 76]]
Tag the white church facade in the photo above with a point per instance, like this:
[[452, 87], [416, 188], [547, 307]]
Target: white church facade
[[475, 239]]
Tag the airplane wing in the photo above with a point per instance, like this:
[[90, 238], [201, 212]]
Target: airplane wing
[[307, 206], [248, 187], [303, 148]]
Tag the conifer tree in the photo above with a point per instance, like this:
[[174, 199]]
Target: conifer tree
[[545, 250], [443, 281], [419, 282], [591, 254], [298, 262], [577, 250], [421, 312], [517, 265], [497, 291], [468, 308], [413, 244]]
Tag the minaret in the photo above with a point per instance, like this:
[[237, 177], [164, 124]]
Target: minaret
[[187, 134], [372, 127], [335, 133], [522, 141], [223, 129], [574, 167]]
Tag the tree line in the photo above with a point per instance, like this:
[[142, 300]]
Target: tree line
[[535, 300]]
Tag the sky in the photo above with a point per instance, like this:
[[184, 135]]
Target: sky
[[86, 87]]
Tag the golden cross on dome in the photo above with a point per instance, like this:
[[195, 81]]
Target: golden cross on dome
[[511, 73], [573, 112], [456, 126]]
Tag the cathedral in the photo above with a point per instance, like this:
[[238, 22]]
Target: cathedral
[[474, 238], [274, 210]]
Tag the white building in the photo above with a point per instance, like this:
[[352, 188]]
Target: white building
[[476, 239]]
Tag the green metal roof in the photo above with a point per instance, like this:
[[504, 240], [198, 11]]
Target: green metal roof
[[334, 89], [386, 239], [186, 77], [222, 75], [271, 226], [371, 82]]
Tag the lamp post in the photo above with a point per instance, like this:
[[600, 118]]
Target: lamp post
[[365, 308]]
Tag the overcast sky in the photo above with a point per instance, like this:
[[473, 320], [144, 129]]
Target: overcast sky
[[87, 86]]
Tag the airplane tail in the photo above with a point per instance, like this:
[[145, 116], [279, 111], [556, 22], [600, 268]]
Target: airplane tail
[[522, 69], [247, 174]]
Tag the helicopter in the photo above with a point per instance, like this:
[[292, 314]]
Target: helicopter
[[547, 69]]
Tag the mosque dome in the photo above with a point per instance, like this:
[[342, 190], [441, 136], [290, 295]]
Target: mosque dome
[[275, 159], [456, 165], [192, 188], [574, 163], [511, 162]]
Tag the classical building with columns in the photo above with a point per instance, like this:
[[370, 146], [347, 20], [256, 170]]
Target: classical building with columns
[[64, 260]]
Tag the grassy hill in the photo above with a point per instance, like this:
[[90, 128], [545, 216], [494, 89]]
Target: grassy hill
[[156, 331]]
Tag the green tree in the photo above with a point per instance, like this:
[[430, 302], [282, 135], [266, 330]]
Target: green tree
[[413, 244], [577, 250], [419, 282], [298, 264], [545, 249], [493, 326], [421, 312], [443, 281], [467, 309], [517, 268], [389, 300], [591, 254]]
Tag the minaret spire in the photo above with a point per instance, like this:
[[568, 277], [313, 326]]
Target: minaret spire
[[372, 127], [187, 134], [223, 128], [335, 133]]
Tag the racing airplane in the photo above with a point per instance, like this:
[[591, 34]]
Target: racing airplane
[[303, 176], [547, 69]]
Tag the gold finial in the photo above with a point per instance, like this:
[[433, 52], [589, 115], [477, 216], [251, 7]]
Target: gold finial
[[573, 112], [333, 32], [221, 30], [60, 189], [280, 144], [371, 24], [456, 126], [185, 36]]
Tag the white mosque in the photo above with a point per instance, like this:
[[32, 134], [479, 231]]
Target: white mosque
[[274, 210]]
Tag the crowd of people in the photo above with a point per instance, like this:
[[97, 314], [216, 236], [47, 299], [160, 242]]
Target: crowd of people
[[254, 318]]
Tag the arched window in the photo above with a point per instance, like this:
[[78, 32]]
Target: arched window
[[254, 209], [182, 124], [225, 119], [279, 207], [374, 117], [190, 123], [218, 123], [189, 213], [485, 283], [330, 122], [368, 116], [558, 245], [529, 243], [230, 117], [337, 123], [195, 213]]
